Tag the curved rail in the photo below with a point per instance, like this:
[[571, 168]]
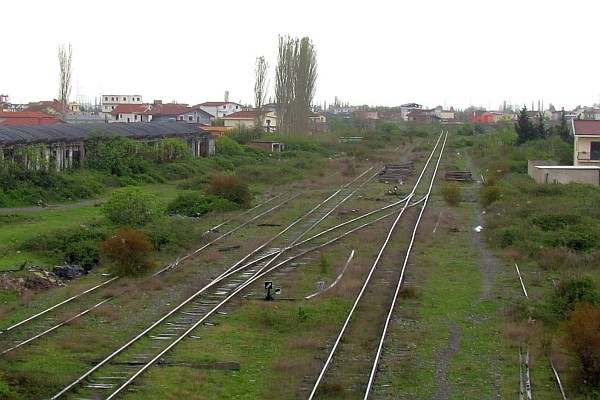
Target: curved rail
[[370, 274], [228, 273]]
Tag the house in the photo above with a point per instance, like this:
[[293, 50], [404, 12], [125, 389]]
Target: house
[[591, 113], [248, 118], [111, 101], [53, 107], [445, 115], [177, 112], [220, 109], [586, 134], [128, 112], [407, 108], [64, 146], [366, 115], [27, 118], [422, 116], [482, 117]]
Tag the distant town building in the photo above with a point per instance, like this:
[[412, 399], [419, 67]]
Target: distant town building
[[407, 108], [586, 149], [111, 101], [27, 118], [220, 109]]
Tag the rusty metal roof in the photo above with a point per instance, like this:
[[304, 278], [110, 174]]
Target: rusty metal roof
[[15, 134]]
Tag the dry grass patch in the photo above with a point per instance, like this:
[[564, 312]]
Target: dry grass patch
[[515, 333], [152, 285]]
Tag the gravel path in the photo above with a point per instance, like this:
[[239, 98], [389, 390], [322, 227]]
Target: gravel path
[[442, 362], [50, 207], [489, 267]]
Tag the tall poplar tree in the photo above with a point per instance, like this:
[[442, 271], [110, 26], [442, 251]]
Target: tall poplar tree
[[295, 80], [65, 64], [260, 89]]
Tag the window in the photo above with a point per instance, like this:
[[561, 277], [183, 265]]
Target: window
[[595, 151], [113, 107], [223, 105], [112, 99], [190, 118], [181, 117], [138, 99], [124, 98], [106, 99]]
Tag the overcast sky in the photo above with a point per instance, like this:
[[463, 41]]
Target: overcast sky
[[450, 53]]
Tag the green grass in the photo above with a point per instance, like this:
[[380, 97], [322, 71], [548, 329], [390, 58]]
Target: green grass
[[40, 223]]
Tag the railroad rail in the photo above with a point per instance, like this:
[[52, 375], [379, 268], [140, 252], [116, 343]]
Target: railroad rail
[[14, 338], [177, 324], [345, 365]]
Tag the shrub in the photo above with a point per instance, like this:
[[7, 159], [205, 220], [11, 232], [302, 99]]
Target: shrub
[[488, 195], [226, 146], [129, 253], [451, 193], [582, 338], [131, 207], [231, 188], [76, 246], [556, 221], [573, 292], [195, 204]]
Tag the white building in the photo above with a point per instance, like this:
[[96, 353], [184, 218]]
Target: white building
[[111, 101], [220, 109]]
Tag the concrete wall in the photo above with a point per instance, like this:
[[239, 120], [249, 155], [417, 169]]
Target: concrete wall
[[589, 176], [535, 172]]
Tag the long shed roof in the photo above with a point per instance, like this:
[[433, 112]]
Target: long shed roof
[[14, 134]]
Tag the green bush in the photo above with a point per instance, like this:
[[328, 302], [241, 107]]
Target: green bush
[[556, 221], [225, 146], [451, 193], [231, 188], [195, 204], [76, 246], [170, 234], [572, 292], [131, 207], [489, 195]]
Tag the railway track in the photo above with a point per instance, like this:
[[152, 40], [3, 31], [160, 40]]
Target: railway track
[[52, 318], [120, 369], [354, 356]]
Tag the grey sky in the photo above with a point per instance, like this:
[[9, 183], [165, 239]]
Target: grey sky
[[452, 53]]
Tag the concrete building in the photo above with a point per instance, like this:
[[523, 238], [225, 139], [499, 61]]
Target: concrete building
[[546, 171]]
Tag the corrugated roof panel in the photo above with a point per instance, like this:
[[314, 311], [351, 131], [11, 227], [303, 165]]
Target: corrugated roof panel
[[10, 134]]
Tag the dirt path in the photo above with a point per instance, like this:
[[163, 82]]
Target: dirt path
[[489, 267], [50, 207], [442, 362]]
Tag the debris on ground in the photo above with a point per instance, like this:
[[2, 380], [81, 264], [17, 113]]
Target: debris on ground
[[68, 272]]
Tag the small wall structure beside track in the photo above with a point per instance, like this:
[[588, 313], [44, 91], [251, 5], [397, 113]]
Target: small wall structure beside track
[[546, 171], [63, 145]]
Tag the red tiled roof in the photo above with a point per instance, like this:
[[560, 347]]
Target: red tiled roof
[[586, 127], [129, 109], [27, 118], [169, 109], [43, 105]]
